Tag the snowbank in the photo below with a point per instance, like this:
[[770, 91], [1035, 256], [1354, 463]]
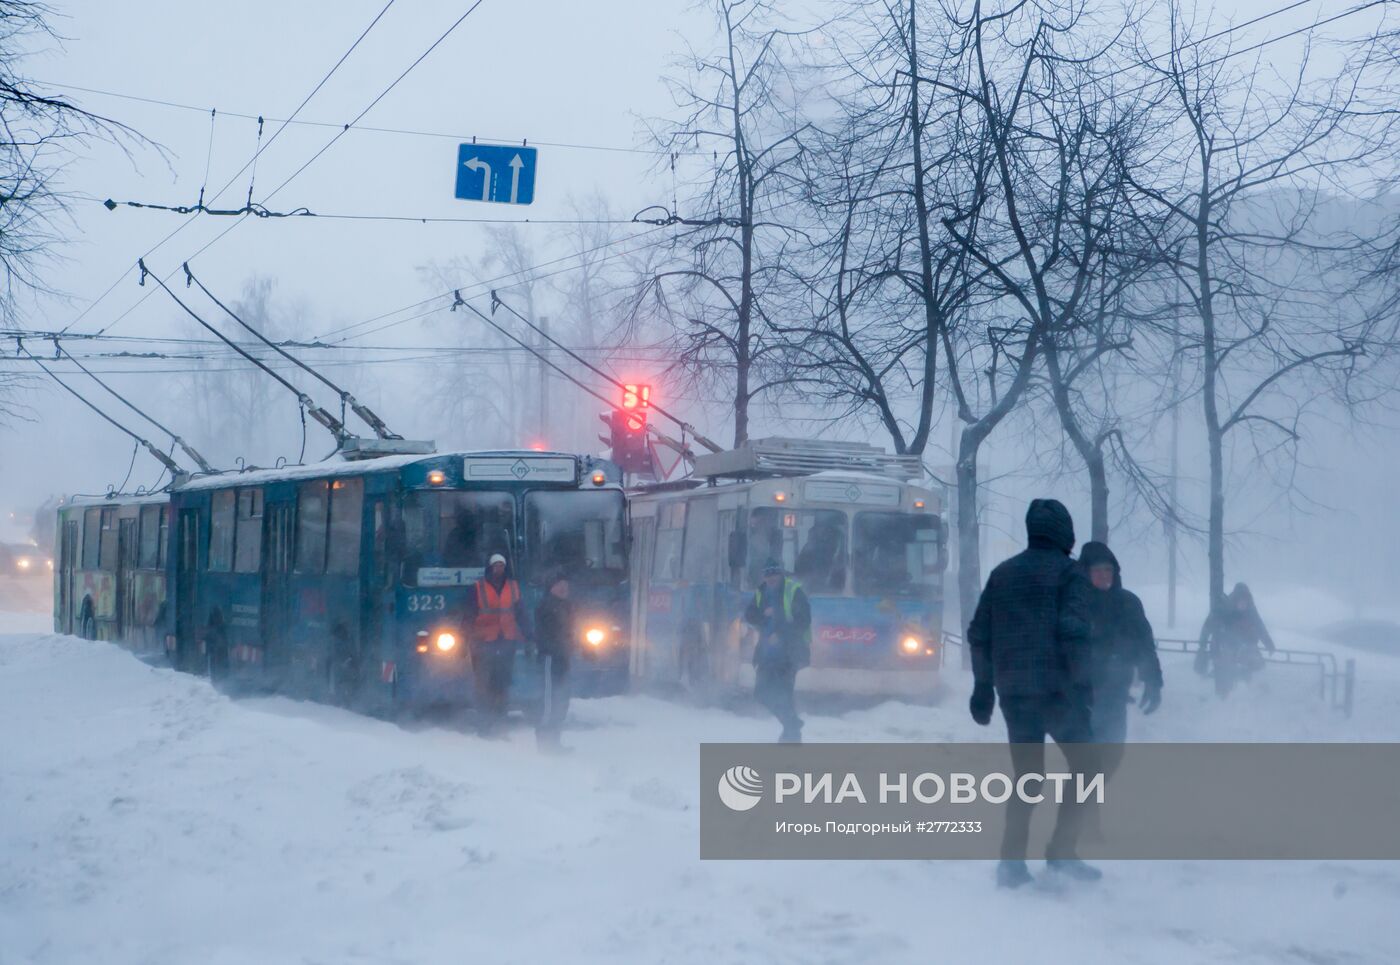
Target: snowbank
[[149, 819]]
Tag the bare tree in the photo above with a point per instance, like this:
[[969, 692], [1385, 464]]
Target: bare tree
[[487, 386], [1271, 320], [885, 280], [714, 280], [38, 133]]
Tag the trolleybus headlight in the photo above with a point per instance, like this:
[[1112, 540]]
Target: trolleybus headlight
[[911, 644], [780, 497], [918, 504], [436, 477], [445, 641], [23, 562], [599, 479], [594, 636]]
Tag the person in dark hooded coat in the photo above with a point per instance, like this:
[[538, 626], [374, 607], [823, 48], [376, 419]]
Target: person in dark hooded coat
[[1029, 640], [1230, 640], [1121, 645]]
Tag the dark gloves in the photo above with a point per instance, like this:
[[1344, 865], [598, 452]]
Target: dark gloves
[[1151, 698], [983, 700]]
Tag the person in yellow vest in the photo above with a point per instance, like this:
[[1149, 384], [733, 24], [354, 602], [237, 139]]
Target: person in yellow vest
[[783, 617], [496, 616]]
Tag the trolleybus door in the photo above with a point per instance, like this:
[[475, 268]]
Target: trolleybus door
[[643, 548], [127, 548], [186, 587], [67, 562], [374, 584], [276, 594]]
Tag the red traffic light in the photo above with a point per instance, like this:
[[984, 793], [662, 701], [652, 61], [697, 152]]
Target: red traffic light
[[628, 440]]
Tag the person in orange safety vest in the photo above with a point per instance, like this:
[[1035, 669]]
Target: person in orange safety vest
[[497, 628]]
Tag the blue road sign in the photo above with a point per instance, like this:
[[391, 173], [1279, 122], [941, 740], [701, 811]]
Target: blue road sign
[[496, 172]]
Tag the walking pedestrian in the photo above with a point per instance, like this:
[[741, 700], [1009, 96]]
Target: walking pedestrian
[[783, 617], [556, 627], [1029, 639]]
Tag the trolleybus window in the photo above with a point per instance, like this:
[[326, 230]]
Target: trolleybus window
[[898, 554], [347, 508], [311, 527], [580, 532], [701, 541], [456, 529], [247, 552], [150, 537], [92, 537], [108, 559], [670, 533], [221, 507], [810, 543]]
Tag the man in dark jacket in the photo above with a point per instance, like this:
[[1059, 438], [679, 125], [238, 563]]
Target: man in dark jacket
[[555, 628], [1029, 639], [1121, 644], [783, 617]]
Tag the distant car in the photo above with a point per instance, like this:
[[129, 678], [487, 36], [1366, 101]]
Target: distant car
[[23, 560]]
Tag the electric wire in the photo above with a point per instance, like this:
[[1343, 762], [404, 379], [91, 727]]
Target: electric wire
[[175, 438], [346, 399], [156, 453], [237, 174], [367, 129]]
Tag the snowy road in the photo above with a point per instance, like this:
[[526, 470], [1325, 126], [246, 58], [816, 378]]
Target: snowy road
[[149, 819]]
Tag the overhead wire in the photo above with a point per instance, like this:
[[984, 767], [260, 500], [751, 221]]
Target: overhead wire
[[159, 456], [368, 129], [175, 438], [346, 399], [680, 423], [327, 146], [330, 422], [237, 174]]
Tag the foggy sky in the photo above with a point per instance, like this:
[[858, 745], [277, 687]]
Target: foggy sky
[[556, 71]]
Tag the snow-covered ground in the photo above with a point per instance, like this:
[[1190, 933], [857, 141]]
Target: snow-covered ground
[[146, 818]]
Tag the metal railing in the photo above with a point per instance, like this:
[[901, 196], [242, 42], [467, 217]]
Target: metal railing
[[1336, 683]]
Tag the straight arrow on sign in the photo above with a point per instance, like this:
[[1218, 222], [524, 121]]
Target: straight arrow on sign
[[515, 165]]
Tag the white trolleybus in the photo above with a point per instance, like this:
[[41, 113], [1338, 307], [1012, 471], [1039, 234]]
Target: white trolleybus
[[847, 520]]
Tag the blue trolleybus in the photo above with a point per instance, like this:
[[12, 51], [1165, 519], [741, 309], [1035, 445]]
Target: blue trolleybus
[[868, 546], [347, 580]]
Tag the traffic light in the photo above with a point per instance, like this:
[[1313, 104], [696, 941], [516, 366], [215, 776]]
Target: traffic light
[[628, 439]]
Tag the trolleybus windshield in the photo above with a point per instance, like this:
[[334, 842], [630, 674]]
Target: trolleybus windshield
[[896, 554], [810, 544], [456, 530], [576, 533]]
